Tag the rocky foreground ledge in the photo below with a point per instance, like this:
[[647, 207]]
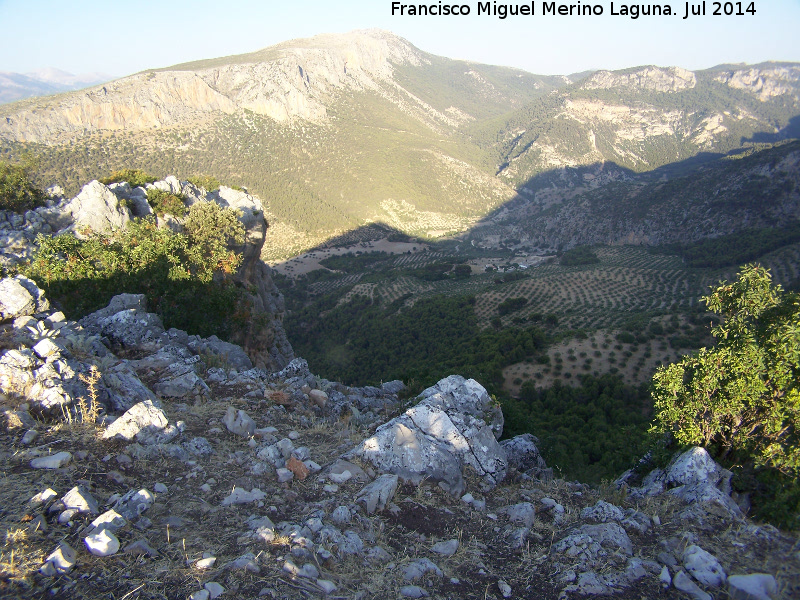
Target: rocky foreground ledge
[[144, 463]]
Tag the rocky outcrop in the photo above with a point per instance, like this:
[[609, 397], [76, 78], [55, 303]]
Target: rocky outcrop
[[288, 81], [101, 208], [454, 425], [655, 79], [765, 81]]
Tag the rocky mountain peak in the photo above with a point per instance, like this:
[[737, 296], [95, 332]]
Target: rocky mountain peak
[[292, 80], [650, 78], [764, 81]]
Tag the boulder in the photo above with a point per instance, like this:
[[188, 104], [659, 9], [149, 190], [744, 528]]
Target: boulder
[[703, 566], [124, 321], [144, 422], [441, 435], [757, 586], [15, 301], [124, 387], [238, 422], [376, 495], [523, 454], [98, 209]]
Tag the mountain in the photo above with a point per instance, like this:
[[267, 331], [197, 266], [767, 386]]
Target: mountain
[[340, 131], [44, 82]]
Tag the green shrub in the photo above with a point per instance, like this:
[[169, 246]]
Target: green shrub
[[510, 305], [185, 276], [135, 177], [17, 191], [166, 203], [207, 182], [741, 399], [579, 255]]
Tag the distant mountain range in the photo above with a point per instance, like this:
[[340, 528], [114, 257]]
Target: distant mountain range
[[44, 82], [339, 131]]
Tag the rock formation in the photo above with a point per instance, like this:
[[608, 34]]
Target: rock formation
[[308, 475], [102, 208]]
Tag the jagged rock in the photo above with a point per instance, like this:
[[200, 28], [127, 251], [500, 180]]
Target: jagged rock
[[80, 500], [757, 586], [140, 548], [417, 569], [393, 387], [589, 543], [247, 562], [125, 388], [110, 519], [134, 503], [435, 439], [341, 515], [704, 567], [413, 591], [144, 422], [52, 461], [523, 513], [664, 577], [214, 589], [233, 356], [97, 208], [242, 496], [238, 422], [181, 381], [61, 560], [523, 454], [602, 512], [376, 495], [684, 583], [124, 321], [19, 297], [446, 548], [694, 477]]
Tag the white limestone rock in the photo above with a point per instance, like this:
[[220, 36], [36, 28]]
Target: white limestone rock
[[242, 496], [61, 560], [102, 543], [239, 422], [453, 425], [703, 566], [97, 208], [376, 495], [684, 583], [757, 586], [52, 461], [144, 422]]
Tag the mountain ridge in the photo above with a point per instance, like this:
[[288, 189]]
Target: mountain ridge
[[341, 130]]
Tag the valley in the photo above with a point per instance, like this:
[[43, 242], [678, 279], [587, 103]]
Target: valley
[[551, 237]]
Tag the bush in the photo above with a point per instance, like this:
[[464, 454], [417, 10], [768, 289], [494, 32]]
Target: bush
[[185, 276], [511, 305], [135, 177], [741, 399], [166, 203], [579, 255], [17, 191], [207, 182]]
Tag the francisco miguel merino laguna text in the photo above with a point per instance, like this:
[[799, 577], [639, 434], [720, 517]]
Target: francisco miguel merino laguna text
[[633, 11]]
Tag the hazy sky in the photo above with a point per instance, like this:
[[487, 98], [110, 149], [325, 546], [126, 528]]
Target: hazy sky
[[120, 38]]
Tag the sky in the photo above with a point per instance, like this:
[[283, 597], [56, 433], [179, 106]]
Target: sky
[[123, 37]]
